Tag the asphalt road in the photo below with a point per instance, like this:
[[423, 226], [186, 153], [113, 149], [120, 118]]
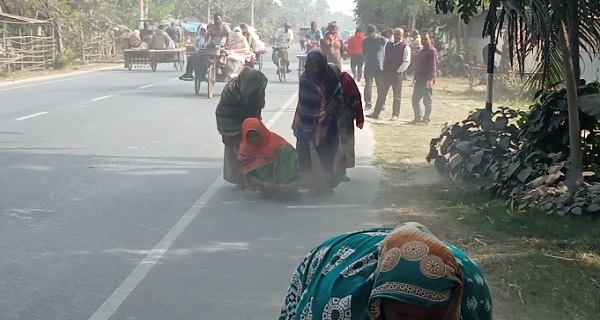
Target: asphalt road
[[112, 204]]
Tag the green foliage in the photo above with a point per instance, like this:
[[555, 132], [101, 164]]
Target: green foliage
[[522, 156], [474, 148], [160, 12], [64, 60], [455, 65], [533, 30], [393, 13]]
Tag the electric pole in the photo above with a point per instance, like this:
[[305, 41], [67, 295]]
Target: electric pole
[[141, 13], [252, 13]]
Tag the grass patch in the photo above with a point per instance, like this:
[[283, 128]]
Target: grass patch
[[538, 266]]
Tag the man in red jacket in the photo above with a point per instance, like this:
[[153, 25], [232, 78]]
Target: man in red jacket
[[357, 59]]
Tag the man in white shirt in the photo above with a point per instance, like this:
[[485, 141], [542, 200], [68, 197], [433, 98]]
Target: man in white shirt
[[283, 38], [396, 61]]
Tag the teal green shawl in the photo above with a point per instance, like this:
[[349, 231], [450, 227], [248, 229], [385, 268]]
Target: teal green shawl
[[345, 277]]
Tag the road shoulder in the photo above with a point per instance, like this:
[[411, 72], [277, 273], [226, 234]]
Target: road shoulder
[[26, 77]]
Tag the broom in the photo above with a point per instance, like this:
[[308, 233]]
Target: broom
[[319, 179]]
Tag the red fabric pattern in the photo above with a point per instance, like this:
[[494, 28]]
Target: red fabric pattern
[[351, 90]]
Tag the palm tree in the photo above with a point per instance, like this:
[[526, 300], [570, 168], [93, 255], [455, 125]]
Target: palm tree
[[553, 31]]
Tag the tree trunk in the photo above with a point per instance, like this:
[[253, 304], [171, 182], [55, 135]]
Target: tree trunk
[[574, 22], [458, 36], [576, 158]]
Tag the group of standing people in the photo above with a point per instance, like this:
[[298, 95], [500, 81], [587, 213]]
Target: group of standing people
[[388, 57], [329, 108]]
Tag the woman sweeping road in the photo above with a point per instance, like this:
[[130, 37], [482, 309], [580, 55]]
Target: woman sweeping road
[[269, 163], [405, 273], [242, 98], [315, 124]]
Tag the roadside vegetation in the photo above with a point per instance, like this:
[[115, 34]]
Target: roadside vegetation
[[540, 265]]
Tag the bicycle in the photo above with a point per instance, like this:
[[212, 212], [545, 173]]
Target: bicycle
[[282, 65]]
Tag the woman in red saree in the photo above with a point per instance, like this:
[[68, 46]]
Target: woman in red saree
[[269, 163]]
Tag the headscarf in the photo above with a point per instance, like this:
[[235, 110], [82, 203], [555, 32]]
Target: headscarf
[[251, 157], [415, 267], [317, 90], [201, 38], [237, 42], [242, 97], [236, 34], [328, 78]]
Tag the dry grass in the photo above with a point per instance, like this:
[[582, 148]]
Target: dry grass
[[539, 266]]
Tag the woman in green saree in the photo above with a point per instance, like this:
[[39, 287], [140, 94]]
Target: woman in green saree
[[405, 273], [242, 98], [269, 163]]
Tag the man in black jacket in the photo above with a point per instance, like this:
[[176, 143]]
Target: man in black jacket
[[372, 47]]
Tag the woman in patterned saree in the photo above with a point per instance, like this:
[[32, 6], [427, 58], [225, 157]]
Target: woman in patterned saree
[[269, 163], [405, 273], [315, 124]]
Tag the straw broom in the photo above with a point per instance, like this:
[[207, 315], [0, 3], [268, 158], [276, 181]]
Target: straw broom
[[319, 178]]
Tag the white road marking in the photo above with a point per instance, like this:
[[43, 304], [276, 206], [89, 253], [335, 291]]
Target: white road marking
[[31, 116], [101, 98], [53, 81], [144, 87], [116, 299]]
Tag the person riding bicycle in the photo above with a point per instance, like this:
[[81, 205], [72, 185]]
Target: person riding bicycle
[[313, 37], [283, 38]]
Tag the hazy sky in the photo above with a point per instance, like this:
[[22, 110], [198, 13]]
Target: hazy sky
[[345, 6]]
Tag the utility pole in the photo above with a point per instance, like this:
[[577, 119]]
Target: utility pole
[[252, 13], [208, 13], [141, 14]]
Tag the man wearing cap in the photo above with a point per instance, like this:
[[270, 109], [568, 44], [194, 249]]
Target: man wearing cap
[[372, 47], [283, 38]]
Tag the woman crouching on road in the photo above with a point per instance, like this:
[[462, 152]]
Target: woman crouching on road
[[269, 163], [242, 98], [404, 273]]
